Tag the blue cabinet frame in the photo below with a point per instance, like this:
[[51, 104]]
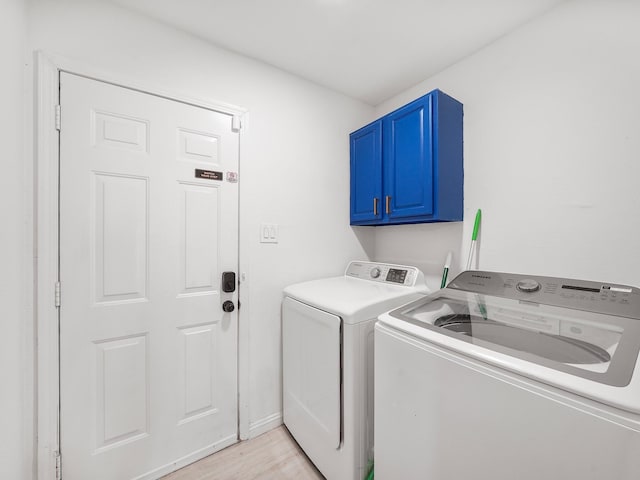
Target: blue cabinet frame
[[407, 167]]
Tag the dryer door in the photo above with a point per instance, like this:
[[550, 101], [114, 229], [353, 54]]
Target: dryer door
[[311, 377]]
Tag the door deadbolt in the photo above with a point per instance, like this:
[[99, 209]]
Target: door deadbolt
[[228, 306], [228, 282]]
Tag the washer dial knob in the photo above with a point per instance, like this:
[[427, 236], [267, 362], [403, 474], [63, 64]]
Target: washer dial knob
[[375, 272], [528, 285]]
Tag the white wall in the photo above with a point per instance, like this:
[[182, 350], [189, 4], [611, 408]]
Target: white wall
[[15, 252], [552, 149], [294, 156]]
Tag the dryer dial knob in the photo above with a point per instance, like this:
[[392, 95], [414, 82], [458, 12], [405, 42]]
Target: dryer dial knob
[[528, 285], [375, 272]]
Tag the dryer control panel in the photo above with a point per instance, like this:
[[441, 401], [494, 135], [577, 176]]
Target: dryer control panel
[[385, 273]]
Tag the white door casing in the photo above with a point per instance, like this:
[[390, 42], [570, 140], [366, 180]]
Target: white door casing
[[148, 359]]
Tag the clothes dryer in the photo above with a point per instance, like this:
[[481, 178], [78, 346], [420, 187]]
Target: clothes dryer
[[327, 335]]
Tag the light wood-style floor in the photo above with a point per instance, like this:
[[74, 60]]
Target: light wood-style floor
[[272, 455]]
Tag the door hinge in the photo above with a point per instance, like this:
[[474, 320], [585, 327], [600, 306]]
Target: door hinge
[[58, 118], [57, 294], [236, 123], [58, 466]]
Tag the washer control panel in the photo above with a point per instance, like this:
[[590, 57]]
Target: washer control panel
[[385, 273], [608, 298]]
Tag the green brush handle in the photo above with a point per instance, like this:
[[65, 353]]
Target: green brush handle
[[476, 225]]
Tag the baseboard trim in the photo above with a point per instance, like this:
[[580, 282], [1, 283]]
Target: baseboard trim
[[265, 424]]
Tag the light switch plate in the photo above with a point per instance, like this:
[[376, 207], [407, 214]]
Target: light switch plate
[[268, 233]]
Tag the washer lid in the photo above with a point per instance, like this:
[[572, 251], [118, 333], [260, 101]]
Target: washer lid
[[588, 353], [598, 347], [354, 300]]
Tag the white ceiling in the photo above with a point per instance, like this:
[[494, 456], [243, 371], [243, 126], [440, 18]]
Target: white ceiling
[[366, 49]]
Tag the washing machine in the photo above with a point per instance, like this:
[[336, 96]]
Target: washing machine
[[327, 361], [502, 376]]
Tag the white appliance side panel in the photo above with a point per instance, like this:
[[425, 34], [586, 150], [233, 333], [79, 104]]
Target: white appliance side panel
[[446, 417], [311, 377], [356, 452]]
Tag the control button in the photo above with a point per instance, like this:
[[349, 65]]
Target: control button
[[375, 272], [528, 285]]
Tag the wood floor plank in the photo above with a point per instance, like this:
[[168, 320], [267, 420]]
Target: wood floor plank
[[271, 456]]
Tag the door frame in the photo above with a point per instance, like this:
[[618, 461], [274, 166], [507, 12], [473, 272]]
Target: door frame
[[46, 202]]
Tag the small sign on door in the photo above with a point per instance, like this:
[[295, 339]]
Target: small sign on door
[[208, 174]]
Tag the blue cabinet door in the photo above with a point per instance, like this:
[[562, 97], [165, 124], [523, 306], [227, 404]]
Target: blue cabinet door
[[408, 153], [366, 173]]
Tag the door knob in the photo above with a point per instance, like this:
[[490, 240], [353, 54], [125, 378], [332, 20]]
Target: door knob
[[228, 306]]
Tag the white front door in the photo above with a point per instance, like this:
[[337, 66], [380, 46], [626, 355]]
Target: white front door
[[148, 358]]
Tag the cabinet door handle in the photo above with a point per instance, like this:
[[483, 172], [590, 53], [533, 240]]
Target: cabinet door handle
[[375, 206], [388, 204]]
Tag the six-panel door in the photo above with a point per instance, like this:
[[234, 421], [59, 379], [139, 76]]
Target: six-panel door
[[148, 359]]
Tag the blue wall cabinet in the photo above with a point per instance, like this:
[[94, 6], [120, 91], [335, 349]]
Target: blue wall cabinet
[[407, 166]]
